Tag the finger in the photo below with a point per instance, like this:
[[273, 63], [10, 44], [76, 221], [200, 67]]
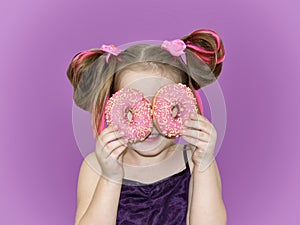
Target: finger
[[109, 137], [196, 142], [109, 129], [116, 153], [198, 125], [196, 116], [197, 134], [110, 147]]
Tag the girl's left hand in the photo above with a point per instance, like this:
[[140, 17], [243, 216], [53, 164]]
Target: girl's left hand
[[199, 132]]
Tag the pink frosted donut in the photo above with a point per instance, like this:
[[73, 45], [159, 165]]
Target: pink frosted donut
[[131, 111], [172, 105]]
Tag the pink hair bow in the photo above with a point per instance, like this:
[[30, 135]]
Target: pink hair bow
[[175, 47], [110, 49]]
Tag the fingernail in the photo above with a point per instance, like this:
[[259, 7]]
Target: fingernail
[[115, 127]]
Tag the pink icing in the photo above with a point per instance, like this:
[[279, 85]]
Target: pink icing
[[128, 109], [168, 97]]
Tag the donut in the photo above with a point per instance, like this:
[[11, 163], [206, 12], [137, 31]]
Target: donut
[[131, 112], [172, 105]]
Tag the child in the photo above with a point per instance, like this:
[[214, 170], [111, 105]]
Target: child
[[144, 182]]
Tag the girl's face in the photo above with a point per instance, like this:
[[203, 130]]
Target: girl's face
[[148, 83]]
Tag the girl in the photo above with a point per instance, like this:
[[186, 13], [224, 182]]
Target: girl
[[150, 181]]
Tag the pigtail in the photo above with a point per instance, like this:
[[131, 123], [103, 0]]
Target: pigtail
[[78, 74], [91, 74], [204, 56]]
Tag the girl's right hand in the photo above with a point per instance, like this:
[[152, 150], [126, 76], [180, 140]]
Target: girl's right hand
[[110, 147]]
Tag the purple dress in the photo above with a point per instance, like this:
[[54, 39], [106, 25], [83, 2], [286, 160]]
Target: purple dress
[[164, 202]]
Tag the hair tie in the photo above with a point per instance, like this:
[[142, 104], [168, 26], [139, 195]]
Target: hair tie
[[110, 49], [175, 47]]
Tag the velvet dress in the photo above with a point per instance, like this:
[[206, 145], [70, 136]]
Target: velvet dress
[[164, 202]]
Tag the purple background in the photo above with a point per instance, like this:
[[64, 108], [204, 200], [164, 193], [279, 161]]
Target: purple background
[[259, 158]]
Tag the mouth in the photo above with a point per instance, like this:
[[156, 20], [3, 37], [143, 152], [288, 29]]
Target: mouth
[[152, 137]]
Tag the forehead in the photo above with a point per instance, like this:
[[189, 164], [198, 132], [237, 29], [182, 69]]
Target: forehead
[[147, 82]]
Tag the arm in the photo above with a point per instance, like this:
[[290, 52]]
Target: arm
[[97, 198], [206, 206]]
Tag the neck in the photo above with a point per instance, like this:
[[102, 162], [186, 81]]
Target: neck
[[140, 168]]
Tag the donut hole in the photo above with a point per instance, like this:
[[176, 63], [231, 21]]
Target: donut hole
[[175, 111], [129, 115]]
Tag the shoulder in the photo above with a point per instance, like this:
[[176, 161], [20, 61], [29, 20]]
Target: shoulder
[[90, 172], [88, 178], [89, 175], [91, 165], [91, 161]]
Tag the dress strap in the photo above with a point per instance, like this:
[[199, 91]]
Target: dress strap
[[186, 158]]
